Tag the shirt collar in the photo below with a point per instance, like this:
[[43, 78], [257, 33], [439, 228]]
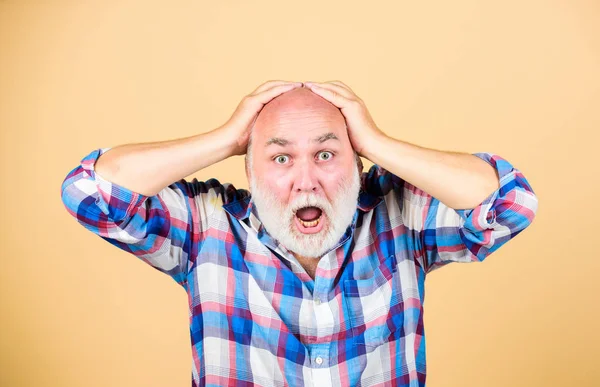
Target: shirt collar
[[241, 209]]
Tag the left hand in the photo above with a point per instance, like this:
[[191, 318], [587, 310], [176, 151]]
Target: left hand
[[362, 130]]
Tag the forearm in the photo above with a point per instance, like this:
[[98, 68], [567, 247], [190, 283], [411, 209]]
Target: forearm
[[458, 180], [147, 168]]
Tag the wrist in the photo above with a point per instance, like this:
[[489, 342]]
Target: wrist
[[374, 146], [228, 140]]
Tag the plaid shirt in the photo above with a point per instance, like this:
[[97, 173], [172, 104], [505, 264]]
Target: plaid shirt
[[256, 317]]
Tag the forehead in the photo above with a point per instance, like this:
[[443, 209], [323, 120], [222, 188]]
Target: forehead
[[299, 116]]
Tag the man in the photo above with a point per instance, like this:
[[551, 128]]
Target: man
[[316, 277]]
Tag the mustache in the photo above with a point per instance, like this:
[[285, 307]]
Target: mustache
[[313, 200]]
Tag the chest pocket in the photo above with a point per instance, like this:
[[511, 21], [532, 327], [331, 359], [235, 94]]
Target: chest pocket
[[373, 305]]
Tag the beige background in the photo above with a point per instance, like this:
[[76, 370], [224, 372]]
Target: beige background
[[517, 78]]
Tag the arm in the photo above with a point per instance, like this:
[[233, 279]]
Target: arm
[[147, 168], [440, 234], [135, 195], [164, 228], [455, 207], [459, 180]]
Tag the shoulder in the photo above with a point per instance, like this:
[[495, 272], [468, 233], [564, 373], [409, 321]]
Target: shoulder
[[379, 181], [225, 192]]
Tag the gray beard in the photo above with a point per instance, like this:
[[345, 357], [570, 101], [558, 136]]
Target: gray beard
[[278, 219]]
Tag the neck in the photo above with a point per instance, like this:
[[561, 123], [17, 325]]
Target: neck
[[309, 264]]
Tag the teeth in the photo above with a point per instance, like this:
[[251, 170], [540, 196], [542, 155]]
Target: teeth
[[310, 224]]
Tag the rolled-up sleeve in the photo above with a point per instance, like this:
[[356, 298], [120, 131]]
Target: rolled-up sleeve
[[163, 230], [442, 235]]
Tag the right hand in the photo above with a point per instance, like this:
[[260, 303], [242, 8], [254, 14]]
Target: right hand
[[237, 128]]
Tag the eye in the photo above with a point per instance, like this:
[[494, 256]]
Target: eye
[[325, 155], [281, 159]]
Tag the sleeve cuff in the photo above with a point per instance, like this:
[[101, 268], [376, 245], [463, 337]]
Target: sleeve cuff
[[510, 198], [116, 201]]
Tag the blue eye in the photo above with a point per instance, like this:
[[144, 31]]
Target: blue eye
[[329, 155], [279, 158]]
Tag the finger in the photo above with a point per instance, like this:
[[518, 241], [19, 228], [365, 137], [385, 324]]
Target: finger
[[330, 94], [342, 84], [270, 84], [251, 105], [268, 94], [337, 89]]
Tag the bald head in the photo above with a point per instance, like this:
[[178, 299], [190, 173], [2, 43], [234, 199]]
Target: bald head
[[297, 104], [296, 111]]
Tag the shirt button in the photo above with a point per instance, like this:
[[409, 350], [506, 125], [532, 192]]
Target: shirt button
[[319, 360], [317, 301]]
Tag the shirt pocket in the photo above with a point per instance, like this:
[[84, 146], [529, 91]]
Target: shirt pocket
[[373, 305]]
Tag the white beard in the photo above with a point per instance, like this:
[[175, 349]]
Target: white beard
[[278, 219]]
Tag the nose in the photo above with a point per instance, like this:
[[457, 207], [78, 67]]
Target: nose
[[306, 180]]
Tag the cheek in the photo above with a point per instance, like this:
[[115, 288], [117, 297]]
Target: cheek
[[331, 185], [281, 184], [279, 188], [281, 194]]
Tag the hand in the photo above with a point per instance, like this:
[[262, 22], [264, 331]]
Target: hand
[[362, 130], [238, 127]]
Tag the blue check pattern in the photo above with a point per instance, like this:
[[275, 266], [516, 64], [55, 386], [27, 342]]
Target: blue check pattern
[[256, 317]]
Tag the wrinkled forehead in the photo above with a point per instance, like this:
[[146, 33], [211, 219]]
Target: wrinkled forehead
[[298, 114]]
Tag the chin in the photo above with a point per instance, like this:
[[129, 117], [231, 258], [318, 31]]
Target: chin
[[307, 245]]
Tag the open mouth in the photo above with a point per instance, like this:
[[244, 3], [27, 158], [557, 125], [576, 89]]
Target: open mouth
[[309, 219]]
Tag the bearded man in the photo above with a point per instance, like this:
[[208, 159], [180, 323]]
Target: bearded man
[[316, 275]]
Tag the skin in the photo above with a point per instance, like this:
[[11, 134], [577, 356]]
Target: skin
[[287, 161]]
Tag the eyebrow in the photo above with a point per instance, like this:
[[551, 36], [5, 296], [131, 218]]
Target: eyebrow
[[319, 139]]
